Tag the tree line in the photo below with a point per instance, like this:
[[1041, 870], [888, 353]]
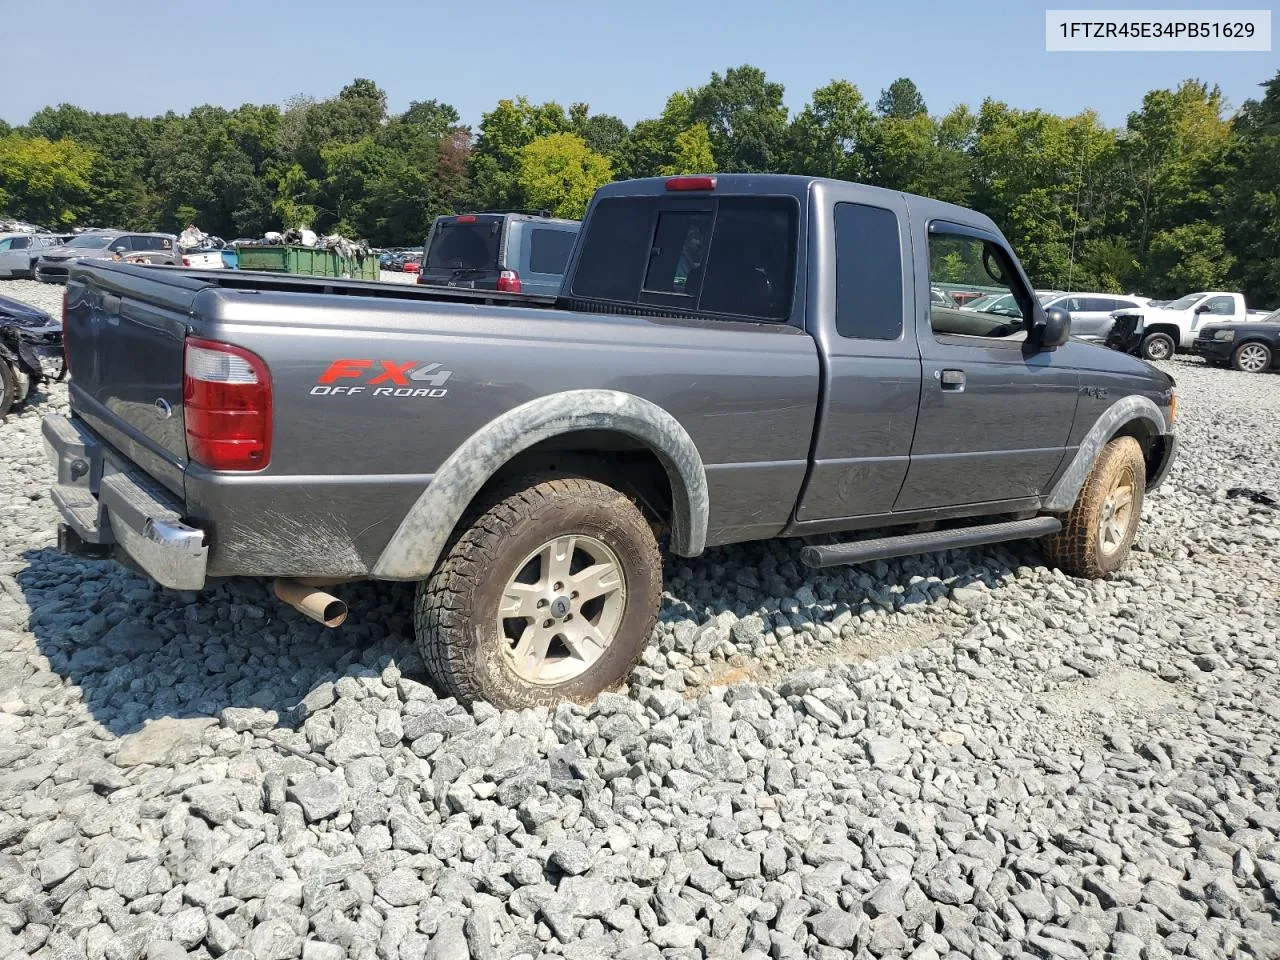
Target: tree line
[[1183, 196]]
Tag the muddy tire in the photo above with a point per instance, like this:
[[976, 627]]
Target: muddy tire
[[1098, 533], [549, 593], [1158, 346]]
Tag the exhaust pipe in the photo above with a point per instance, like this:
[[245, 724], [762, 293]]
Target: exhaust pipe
[[319, 606]]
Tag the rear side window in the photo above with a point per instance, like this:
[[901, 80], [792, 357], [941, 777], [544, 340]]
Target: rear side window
[[613, 257], [465, 246], [151, 243], [549, 249], [20, 243], [868, 273], [733, 256]]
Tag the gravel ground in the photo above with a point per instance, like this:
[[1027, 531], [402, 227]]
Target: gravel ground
[[960, 755]]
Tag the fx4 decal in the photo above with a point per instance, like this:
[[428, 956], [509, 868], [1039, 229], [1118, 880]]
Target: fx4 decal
[[382, 378]]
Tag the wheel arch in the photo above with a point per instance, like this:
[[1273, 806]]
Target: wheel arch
[[553, 423], [1171, 330], [1132, 416]]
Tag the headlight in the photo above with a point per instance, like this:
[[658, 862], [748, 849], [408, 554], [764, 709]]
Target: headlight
[[1227, 335]]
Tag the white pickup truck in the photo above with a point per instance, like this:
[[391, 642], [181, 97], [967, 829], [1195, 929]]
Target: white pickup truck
[[1156, 333]]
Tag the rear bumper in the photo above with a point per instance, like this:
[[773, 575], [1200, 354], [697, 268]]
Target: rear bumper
[[109, 505]]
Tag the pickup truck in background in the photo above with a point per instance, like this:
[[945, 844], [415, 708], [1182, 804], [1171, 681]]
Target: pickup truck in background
[[1156, 333], [730, 358]]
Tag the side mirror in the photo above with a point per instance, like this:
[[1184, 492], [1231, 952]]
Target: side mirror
[[1052, 327], [1202, 308]]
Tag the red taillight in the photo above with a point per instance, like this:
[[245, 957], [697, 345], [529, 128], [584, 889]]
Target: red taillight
[[466, 218], [691, 183], [226, 399], [186, 261], [509, 281]]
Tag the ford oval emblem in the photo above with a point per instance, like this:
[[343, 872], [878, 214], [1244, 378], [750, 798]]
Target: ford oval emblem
[[163, 410]]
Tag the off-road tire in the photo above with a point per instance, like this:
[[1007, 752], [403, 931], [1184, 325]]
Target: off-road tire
[[1076, 549], [8, 387], [455, 610], [1165, 348], [1254, 346]]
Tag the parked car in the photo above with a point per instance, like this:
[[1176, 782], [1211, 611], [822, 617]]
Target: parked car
[[1252, 346], [19, 251], [511, 252], [1094, 314], [1156, 333], [732, 357], [55, 262], [30, 351]]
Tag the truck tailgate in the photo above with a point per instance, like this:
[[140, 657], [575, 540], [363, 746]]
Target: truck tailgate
[[124, 330]]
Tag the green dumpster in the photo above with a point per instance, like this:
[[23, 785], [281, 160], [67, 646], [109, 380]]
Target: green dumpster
[[307, 261]]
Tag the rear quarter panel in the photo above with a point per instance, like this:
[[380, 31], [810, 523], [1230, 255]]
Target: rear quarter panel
[[346, 467]]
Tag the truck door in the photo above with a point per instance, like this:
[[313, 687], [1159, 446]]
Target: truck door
[[995, 411], [861, 303]]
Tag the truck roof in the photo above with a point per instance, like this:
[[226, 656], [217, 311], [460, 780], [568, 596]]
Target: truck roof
[[799, 186]]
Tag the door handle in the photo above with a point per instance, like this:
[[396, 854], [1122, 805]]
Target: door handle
[[953, 380]]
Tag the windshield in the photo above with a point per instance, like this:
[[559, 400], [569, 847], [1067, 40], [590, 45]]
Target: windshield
[[1046, 297], [1185, 303], [465, 246], [90, 242]]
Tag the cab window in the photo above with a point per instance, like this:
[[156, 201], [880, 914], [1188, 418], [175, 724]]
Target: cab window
[[960, 259]]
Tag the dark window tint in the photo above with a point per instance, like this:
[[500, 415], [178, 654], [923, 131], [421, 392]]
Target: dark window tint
[[613, 259], [868, 273], [20, 243], [465, 246], [549, 250], [122, 243], [751, 269], [679, 250], [151, 243]]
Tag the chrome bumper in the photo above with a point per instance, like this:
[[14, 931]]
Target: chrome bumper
[[108, 504]]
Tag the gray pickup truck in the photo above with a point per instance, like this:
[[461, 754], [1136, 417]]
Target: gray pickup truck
[[730, 358]]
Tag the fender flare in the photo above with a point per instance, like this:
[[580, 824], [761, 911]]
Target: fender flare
[[1125, 410], [416, 546]]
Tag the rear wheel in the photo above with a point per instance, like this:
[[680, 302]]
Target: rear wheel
[[1251, 357], [1098, 533], [549, 594], [1157, 346]]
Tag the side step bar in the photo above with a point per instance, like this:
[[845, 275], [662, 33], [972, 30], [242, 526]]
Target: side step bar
[[862, 551]]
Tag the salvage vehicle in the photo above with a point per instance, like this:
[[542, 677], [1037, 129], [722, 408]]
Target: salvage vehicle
[[1251, 347], [1157, 333], [55, 262], [509, 251], [30, 351], [731, 358], [19, 251]]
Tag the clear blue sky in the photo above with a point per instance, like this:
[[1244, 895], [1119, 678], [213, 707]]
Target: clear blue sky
[[145, 59]]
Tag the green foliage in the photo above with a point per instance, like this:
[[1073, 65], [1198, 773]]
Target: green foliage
[[830, 136], [745, 117], [45, 181], [1188, 257], [1182, 196], [901, 100], [1252, 207], [560, 173]]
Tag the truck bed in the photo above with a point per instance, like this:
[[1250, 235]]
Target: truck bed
[[291, 283]]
